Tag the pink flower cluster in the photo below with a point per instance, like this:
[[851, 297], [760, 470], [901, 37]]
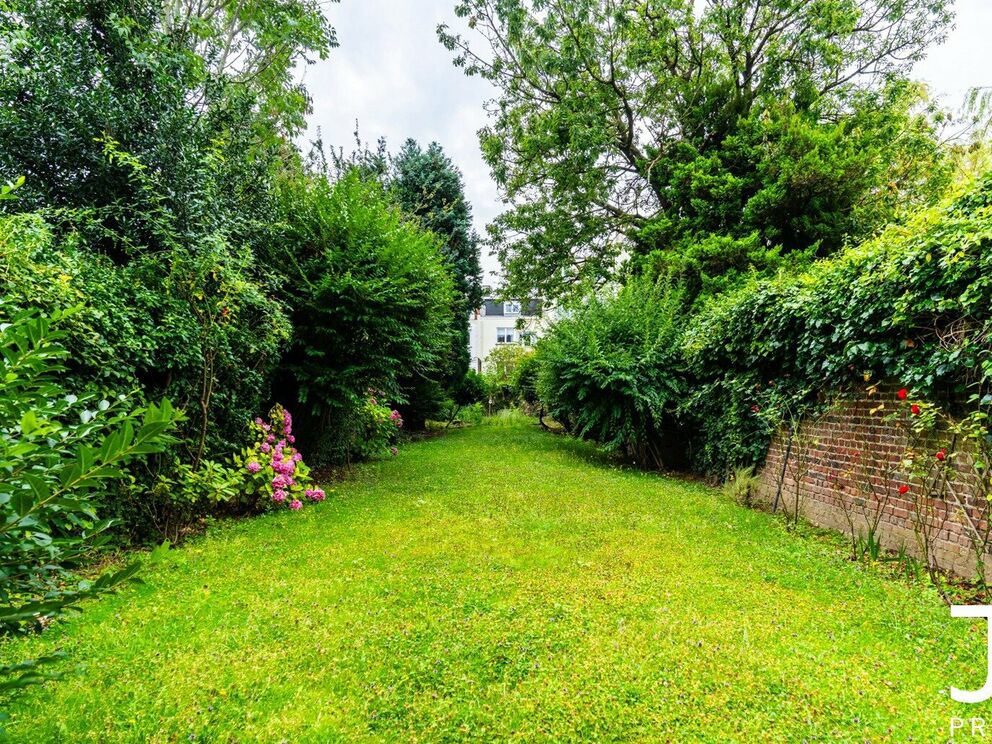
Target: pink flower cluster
[[289, 475], [396, 418]]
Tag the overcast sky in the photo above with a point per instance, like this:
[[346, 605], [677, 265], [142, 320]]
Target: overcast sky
[[393, 77]]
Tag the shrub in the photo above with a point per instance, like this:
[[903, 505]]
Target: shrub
[[60, 453], [610, 369], [471, 389], [912, 304], [373, 305], [500, 369], [197, 326], [523, 382], [272, 470], [741, 485]]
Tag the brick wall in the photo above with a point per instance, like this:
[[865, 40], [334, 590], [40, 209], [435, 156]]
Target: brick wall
[[848, 466]]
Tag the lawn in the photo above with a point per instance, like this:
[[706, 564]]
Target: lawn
[[499, 582]]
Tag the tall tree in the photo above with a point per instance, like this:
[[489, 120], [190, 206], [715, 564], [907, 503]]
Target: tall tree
[[126, 106], [735, 132], [429, 186]]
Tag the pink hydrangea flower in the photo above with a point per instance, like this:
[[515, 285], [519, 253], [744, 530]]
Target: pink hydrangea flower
[[265, 447], [297, 457], [316, 494], [254, 467], [279, 496], [291, 438], [270, 439], [393, 451], [279, 482], [295, 504], [258, 420]]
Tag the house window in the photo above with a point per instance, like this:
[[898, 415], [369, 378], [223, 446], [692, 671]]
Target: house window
[[505, 335], [511, 309]]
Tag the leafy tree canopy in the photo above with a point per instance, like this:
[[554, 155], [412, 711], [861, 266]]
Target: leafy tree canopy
[[169, 121], [639, 128], [430, 187]]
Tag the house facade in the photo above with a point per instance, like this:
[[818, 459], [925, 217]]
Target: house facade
[[501, 322]]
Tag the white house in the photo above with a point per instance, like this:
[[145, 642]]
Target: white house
[[500, 322]]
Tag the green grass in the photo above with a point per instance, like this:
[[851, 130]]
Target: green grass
[[497, 583]]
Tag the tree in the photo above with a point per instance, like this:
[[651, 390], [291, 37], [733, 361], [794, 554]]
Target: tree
[[156, 170], [628, 127], [121, 106], [257, 44], [371, 298], [428, 186]]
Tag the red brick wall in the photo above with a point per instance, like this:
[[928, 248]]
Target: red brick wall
[[849, 467]]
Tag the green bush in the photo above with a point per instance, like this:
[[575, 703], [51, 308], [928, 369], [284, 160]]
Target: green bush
[[523, 381], [610, 369], [913, 304], [374, 428], [197, 326], [499, 374], [371, 304], [60, 454], [471, 389]]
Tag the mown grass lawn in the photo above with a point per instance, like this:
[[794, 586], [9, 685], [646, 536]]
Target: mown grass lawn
[[498, 583]]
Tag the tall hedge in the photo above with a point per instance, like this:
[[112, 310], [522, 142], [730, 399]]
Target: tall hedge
[[913, 304], [371, 299]]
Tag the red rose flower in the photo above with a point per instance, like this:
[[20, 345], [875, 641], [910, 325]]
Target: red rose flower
[[915, 409], [942, 454], [903, 393], [755, 408], [903, 489]]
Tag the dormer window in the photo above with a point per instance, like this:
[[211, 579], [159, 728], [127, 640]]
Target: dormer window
[[511, 309]]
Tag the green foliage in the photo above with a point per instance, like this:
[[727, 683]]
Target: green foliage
[[610, 369], [741, 485], [428, 186], [472, 389], [372, 307], [197, 326], [654, 129], [190, 92], [374, 428], [912, 304], [523, 381], [60, 454], [149, 168], [499, 374]]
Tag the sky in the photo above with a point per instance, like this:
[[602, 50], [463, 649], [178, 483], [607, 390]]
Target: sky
[[394, 78]]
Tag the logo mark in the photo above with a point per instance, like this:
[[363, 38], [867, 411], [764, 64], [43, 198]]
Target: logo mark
[[976, 696]]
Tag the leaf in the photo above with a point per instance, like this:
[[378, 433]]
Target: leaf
[[38, 486], [22, 501], [159, 553]]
